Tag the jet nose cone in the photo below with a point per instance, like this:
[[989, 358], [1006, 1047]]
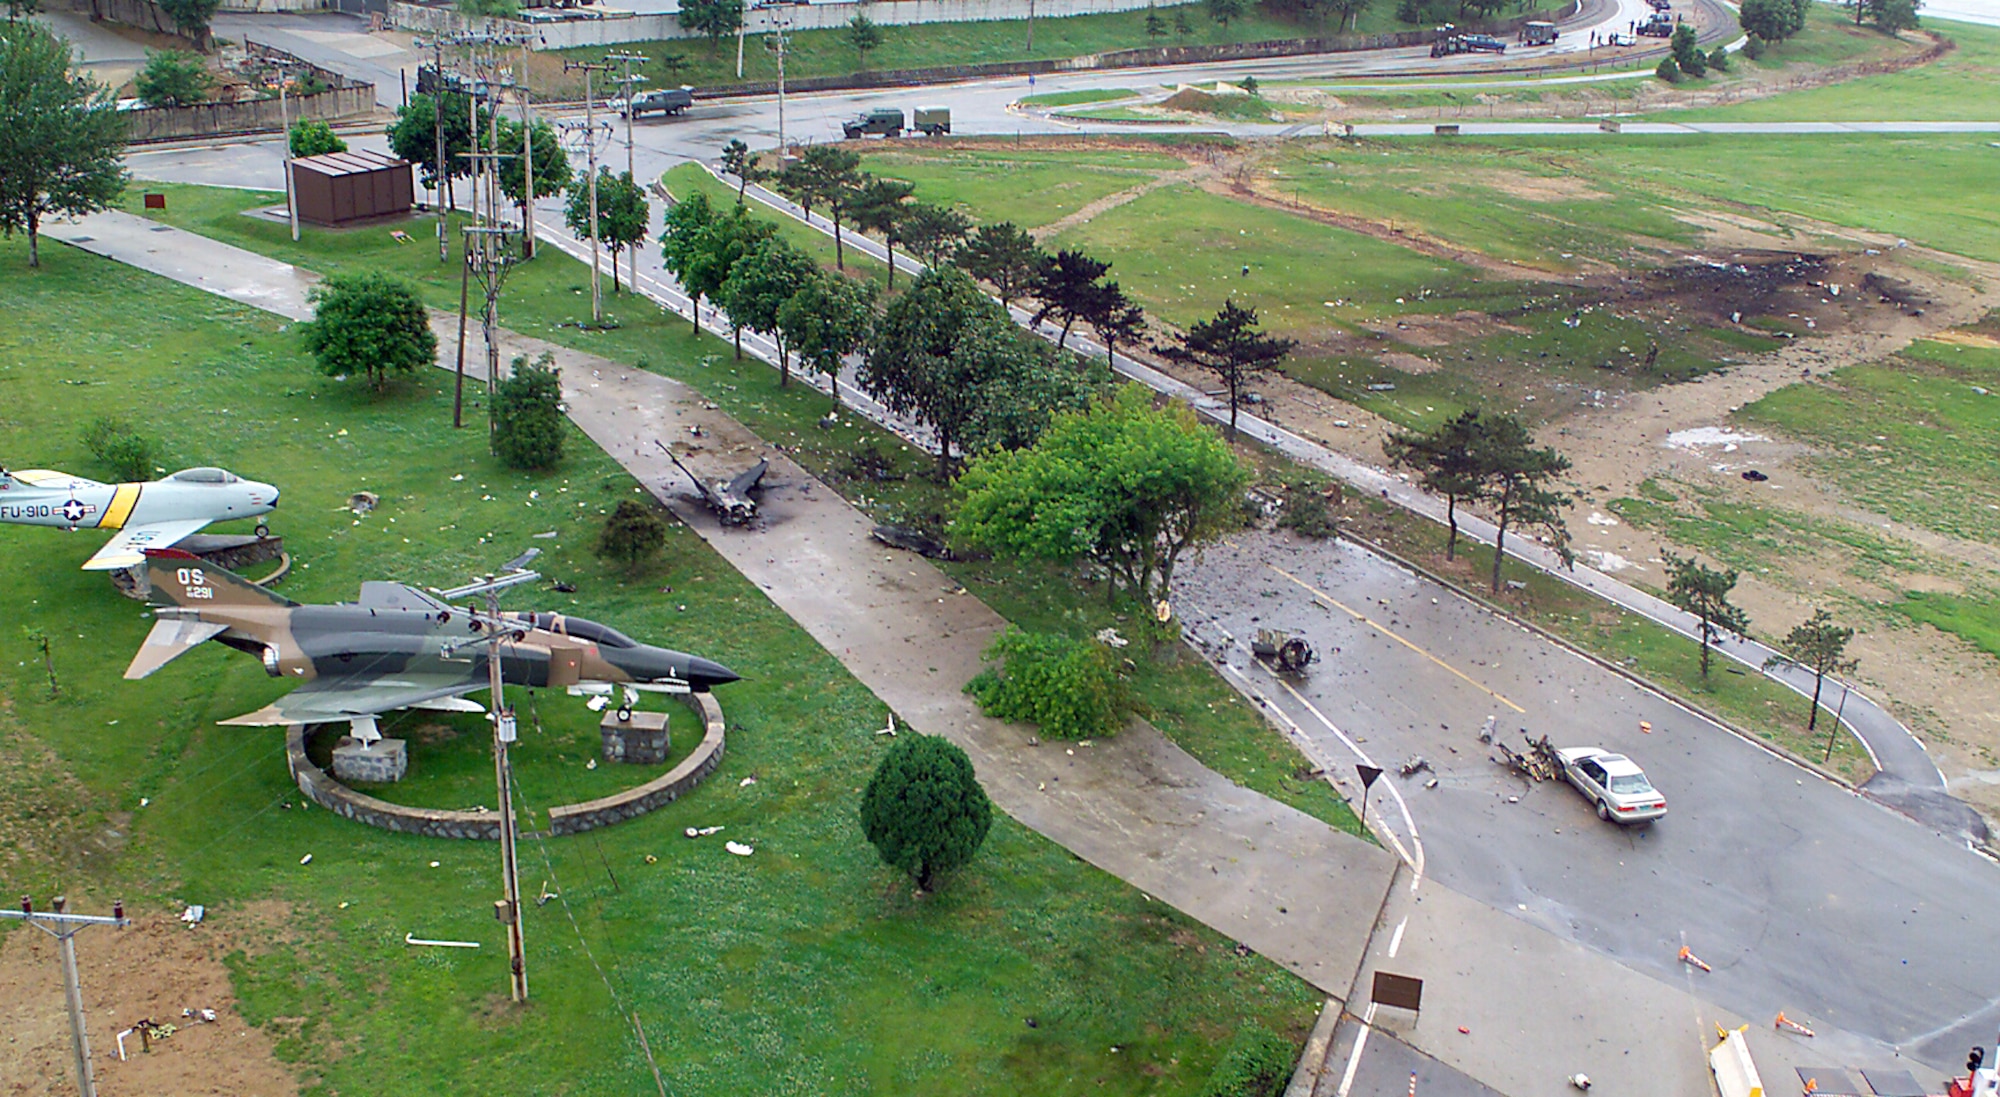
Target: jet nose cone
[[705, 673]]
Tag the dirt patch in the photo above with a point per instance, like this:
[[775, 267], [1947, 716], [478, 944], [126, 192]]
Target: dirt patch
[[1407, 363], [1421, 330], [151, 970], [1539, 188], [1977, 339]]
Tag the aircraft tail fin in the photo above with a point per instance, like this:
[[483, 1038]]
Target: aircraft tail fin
[[175, 577]]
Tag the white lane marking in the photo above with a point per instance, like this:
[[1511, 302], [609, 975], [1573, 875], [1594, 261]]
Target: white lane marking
[[1354, 1058], [1408, 820], [1396, 939]]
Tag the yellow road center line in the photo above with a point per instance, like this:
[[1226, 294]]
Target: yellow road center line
[[1385, 630]]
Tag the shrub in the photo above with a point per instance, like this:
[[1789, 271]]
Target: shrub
[[368, 325], [172, 78], [1668, 71], [1069, 688], [1305, 511], [923, 809], [128, 454], [1753, 47], [527, 415], [1257, 1064], [312, 137], [1718, 59], [632, 534]]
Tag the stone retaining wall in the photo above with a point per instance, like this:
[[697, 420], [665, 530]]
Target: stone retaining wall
[[330, 794]]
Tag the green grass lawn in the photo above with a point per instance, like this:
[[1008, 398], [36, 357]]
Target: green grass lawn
[[1912, 437], [805, 968], [1078, 97], [1028, 186], [830, 52], [1957, 87], [1974, 620]]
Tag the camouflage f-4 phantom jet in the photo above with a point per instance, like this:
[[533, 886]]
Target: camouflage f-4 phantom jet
[[397, 647], [155, 514]]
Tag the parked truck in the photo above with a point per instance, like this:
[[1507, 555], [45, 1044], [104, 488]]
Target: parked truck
[[932, 121], [1658, 26], [1539, 34], [887, 121], [668, 101]]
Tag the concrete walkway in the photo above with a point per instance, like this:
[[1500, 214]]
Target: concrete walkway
[[1137, 806], [1908, 779]]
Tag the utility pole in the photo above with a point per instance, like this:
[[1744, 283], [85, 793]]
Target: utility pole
[[437, 132], [527, 161], [628, 80], [590, 131], [497, 632], [64, 927], [1031, 28], [779, 40], [285, 121]]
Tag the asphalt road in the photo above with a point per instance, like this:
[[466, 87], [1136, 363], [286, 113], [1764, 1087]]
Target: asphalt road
[[1803, 896]]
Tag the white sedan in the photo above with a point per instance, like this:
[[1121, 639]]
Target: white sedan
[[1613, 783]]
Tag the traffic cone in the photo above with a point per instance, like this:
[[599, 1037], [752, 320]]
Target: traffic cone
[[1687, 957], [1786, 1022]]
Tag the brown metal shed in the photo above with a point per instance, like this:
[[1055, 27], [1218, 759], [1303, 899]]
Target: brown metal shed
[[344, 188]]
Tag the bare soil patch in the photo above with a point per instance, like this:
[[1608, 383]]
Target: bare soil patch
[[1425, 330], [149, 971]]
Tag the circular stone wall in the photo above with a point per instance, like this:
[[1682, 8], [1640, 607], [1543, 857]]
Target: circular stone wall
[[320, 787]]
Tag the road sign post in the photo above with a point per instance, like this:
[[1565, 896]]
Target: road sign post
[[1368, 775]]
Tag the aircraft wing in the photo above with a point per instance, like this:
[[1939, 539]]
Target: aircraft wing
[[330, 699], [127, 548]]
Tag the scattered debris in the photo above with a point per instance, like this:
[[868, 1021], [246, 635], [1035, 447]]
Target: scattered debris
[[746, 782], [912, 539], [413, 939], [1754, 476], [1109, 637], [361, 502], [891, 729], [701, 832], [199, 1015], [306, 860], [1687, 957], [1283, 652], [193, 914], [1414, 764], [1784, 1022], [1580, 1081], [738, 848]]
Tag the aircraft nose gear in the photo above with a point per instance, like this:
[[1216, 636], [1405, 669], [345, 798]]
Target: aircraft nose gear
[[263, 529]]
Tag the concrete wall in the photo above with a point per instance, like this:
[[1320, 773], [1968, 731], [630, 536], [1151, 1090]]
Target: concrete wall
[[259, 116], [322, 789]]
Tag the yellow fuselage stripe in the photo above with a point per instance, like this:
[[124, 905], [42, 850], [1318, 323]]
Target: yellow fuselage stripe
[[122, 502]]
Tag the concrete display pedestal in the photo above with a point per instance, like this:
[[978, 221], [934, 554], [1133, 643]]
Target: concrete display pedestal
[[382, 763], [641, 740]]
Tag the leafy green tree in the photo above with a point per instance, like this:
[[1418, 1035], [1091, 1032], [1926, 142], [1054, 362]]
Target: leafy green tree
[[738, 160], [863, 35], [833, 176], [1005, 257], [759, 285], [827, 319], [1668, 70], [312, 137], [1182, 27], [1122, 484], [173, 78], [489, 9], [879, 208], [1027, 384], [191, 18], [917, 366], [684, 244], [623, 215], [527, 414], [1249, 85], [552, 170], [1067, 288], [1117, 319], [1891, 16], [1818, 645], [368, 325], [632, 534], [1704, 592], [117, 446], [934, 233], [712, 19], [1518, 477], [1230, 346], [1068, 688], [1753, 47], [413, 137], [21, 9], [923, 809], [1156, 27], [1445, 461], [62, 140], [1772, 20], [1222, 11], [1687, 54], [1718, 59]]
